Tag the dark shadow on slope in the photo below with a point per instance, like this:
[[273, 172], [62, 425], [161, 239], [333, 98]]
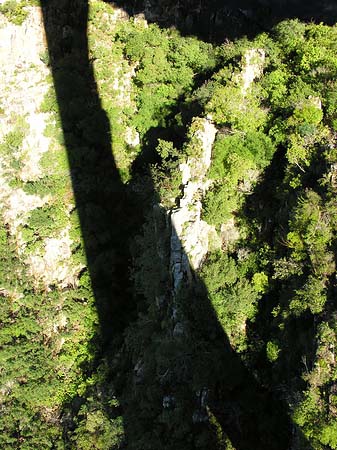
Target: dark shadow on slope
[[267, 213], [99, 192], [216, 20], [250, 414], [110, 217], [188, 389]]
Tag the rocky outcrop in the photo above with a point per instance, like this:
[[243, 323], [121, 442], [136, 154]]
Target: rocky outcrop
[[192, 237], [21, 46], [253, 62], [52, 265], [132, 137], [23, 75]]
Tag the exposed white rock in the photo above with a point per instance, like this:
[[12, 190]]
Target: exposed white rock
[[192, 237], [315, 101], [140, 20], [200, 416], [17, 204], [23, 80], [21, 45], [115, 15], [6, 389], [23, 76], [253, 64], [138, 372], [132, 137], [14, 296], [251, 177], [33, 147], [54, 266], [332, 175], [24, 83], [123, 84]]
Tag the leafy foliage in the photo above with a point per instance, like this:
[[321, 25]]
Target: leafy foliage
[[189, 370], [15, 11]]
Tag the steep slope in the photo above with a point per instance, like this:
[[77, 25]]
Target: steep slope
[[167, 276]]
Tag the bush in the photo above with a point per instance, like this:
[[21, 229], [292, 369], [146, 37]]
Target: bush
[[14, 11]]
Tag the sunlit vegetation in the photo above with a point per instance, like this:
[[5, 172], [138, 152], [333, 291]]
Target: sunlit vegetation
[[196, 371]]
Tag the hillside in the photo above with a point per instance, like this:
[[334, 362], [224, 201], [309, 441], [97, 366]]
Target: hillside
[[168, 232]]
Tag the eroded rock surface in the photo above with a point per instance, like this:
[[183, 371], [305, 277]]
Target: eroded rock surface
[[191, 236], [24, 76], [252, 68], [52, 265]]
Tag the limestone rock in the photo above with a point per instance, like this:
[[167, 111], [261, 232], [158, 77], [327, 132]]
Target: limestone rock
[[53, 266], [192, 237], [132, 137], [252, 67], [17, 204]]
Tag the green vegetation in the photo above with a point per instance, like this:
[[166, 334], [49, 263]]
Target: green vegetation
[[242, 353], [15, 11], [273, 173]]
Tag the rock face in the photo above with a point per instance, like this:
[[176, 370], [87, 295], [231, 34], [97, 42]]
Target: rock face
[[23, 76], [22, 45], [17, 205], [132, 137], [53, 266], [252, 67], [191, 236]]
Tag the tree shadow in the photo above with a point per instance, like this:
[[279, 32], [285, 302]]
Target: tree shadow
[[110, 214], [99, 192], [218, 20]]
